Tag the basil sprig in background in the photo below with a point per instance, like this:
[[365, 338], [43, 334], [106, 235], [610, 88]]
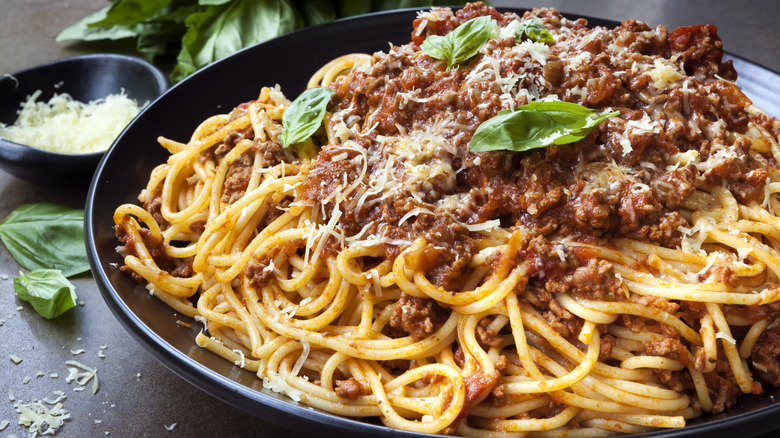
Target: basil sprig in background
[[198, 32], [536, 125]]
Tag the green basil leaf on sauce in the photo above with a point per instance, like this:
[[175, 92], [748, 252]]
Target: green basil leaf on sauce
[[536, 125], [460, 44], [304, 115], [46, 236], [533, 30], [47, 290]]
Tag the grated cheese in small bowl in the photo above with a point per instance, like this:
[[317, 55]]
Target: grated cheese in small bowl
[[68, 126]]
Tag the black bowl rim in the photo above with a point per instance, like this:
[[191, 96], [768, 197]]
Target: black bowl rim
[[300, 417], [25, 154]]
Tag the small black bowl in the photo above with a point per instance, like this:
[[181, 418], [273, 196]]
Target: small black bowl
[[85, 78]]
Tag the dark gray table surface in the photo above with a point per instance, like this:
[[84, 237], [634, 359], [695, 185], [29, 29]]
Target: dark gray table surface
[[137, 395]]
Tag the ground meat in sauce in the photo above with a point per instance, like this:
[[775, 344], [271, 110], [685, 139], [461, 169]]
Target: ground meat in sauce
[[486, 336], [722, 387], [446, 260], [237, 179], [670, 348], [606, 346], [419, 317], [176, 266], [701, 51], [560, 319], [766, 356], [153, 205], [544, 190], [349, 389], [563, 269], [258, 271], [481, 387]]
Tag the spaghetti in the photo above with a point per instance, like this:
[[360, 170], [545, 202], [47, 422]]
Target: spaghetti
[[623, 282]]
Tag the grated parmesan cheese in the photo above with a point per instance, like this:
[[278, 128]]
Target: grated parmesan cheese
[[755, 364], [60, 398], [68, 126], [484, 226], [82, 374], [664, 74], [202, 320], [538, 51], [241, 361], [278, 385], [302, 358], [726, 337], [695, 236], [39, 419], [743, 252]]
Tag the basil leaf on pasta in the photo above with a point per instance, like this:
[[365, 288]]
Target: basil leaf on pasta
[[46, 236], [47, 290], [304, 115], [536, 125], [460, 44], [533, 30]]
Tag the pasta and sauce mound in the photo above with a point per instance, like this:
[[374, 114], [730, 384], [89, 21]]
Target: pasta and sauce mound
[[397, 261]]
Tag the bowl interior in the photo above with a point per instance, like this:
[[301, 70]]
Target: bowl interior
[[217, 89]]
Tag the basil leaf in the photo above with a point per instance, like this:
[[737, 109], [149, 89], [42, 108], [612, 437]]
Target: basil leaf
[[46, 236], [304, 115], [317, 11], [536, 125], [198, 32], [84, 29], [460, 44], [223, 29], [47, 290], [127, 12], [533, 30], [386, 5], [348, 8], [156, 38], [155, 35]]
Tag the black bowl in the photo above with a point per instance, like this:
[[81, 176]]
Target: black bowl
[[288, 61], [85, 78]]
